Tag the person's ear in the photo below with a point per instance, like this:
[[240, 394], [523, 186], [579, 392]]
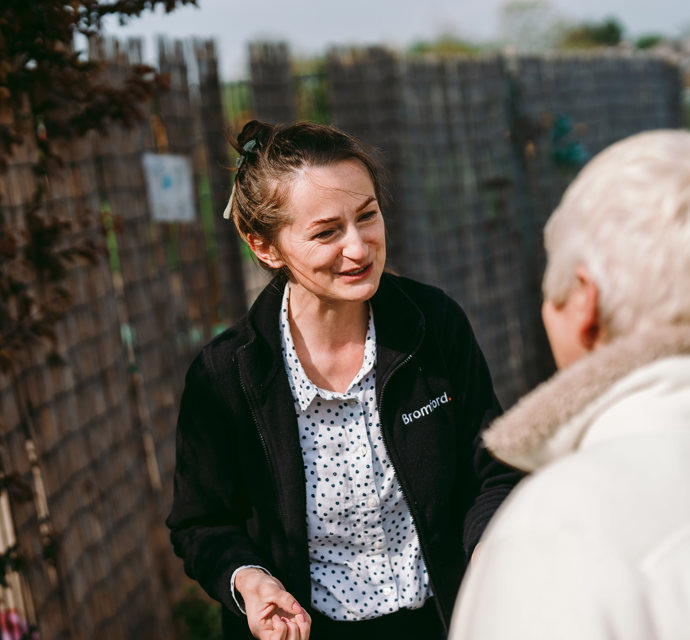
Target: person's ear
[[586, 303], [265, 252]]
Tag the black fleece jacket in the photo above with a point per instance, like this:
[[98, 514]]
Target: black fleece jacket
[[239, 495]]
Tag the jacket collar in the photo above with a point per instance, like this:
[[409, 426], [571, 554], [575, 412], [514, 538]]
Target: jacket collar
[[400, 326], [398, 320], [263, 341], [541, 426]]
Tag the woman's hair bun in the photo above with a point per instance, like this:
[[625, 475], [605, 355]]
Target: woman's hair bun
[[255, 130]]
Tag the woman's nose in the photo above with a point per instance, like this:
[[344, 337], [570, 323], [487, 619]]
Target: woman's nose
[[354, 247]]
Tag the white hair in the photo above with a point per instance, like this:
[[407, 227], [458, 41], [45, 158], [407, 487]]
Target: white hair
[[626, 218]]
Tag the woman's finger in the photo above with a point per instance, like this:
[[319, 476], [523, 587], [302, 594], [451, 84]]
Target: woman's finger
[[303, 623], [280, 629]]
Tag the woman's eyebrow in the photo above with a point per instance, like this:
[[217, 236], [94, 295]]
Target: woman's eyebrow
[[366, 203], [320, 221]]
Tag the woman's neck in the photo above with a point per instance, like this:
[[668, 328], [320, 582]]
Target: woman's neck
[[329, 339]]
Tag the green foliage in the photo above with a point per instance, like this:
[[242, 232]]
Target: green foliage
[[648, 41], [311, 94], [311, 88], [446, 45], [237, 101], [196, 617], [607, 33]]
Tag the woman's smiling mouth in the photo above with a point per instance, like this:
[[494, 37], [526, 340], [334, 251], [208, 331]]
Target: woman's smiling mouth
[[355, 272]]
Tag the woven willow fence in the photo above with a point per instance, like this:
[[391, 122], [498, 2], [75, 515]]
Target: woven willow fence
[[479, 152], [95, 437]]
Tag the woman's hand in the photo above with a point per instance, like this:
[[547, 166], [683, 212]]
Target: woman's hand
[[272, 612]]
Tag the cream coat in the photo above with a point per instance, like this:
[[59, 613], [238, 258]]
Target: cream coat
[[595, 543]]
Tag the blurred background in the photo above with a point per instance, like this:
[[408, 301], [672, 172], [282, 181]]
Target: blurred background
[[116, 265], [310, 27]]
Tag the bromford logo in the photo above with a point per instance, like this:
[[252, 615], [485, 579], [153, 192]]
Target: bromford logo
[[426, 409]]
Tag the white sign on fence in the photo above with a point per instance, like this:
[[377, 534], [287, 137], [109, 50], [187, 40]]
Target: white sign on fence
[[170, 187]]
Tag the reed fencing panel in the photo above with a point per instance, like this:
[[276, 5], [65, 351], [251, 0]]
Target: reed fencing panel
[[480, 150], [94, 437]]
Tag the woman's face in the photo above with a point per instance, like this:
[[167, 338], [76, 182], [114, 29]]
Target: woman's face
[[334, 244]]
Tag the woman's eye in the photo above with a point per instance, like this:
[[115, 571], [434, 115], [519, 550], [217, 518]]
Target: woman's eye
[[368, 215], [323, 235]]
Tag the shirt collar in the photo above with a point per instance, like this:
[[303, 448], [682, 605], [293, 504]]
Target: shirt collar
[[303, 389]]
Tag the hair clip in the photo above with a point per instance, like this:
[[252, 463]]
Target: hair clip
[[249, 147], [228, 209]]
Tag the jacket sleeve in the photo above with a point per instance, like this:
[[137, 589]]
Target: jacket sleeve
[[491, 480], [209, 502]]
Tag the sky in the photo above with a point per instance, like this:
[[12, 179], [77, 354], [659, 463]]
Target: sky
[[310, 27]]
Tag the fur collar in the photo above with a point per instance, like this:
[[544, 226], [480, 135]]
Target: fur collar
[[527, 435]]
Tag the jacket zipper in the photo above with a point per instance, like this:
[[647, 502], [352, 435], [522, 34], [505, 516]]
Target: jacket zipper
[[415, 519]]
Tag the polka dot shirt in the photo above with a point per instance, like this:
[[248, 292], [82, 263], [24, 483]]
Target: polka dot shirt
[[365, 559]]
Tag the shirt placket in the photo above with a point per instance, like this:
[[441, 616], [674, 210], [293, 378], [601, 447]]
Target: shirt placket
[[369, 497]]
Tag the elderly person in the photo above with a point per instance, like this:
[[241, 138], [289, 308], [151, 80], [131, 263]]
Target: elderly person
[[595, 543]]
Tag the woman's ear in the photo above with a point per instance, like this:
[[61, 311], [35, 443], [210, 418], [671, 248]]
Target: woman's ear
[[265, 252]]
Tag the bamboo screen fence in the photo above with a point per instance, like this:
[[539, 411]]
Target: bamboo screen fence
[[479, 152], [95, 436]]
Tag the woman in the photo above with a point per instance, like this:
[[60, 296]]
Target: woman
[[596, 542], [328, 466]]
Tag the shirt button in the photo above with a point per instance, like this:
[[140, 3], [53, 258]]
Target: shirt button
[[352, 402], [362, 451], [387, 591], [372, 502], [378, 545]]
